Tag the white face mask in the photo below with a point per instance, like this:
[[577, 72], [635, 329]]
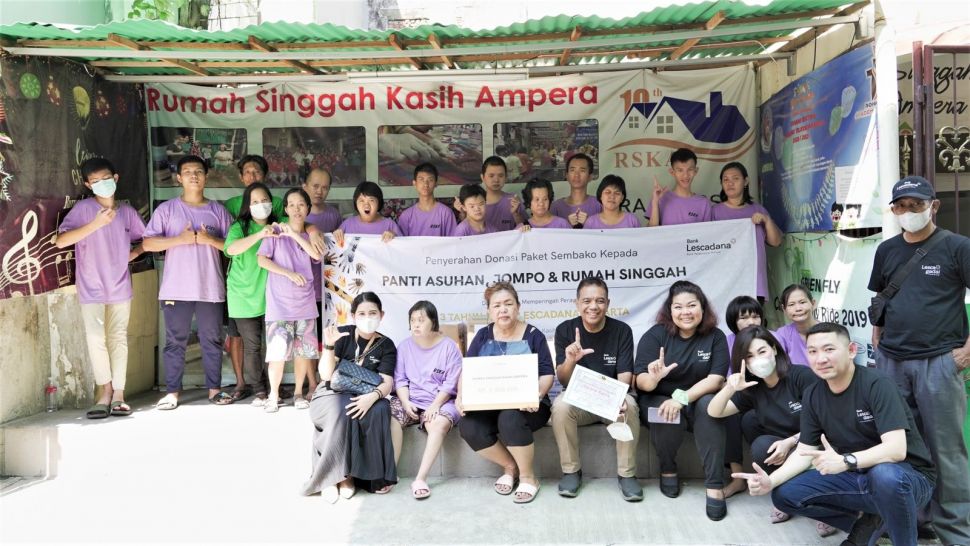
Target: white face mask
[[762, 366], [914, 221], [261, 211], [368, 325], [620, 431]]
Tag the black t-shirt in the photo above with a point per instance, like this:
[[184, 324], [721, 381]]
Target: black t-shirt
[[612, 346], [382, 356], [927, 317], [696, 357], [854, 419], [779, 409]]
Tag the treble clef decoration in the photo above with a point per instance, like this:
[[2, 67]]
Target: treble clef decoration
[[19, 267]]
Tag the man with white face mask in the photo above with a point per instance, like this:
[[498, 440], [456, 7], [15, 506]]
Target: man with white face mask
[[924, 343]]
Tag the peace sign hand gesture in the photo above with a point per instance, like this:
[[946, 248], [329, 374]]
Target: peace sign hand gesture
[[575, 351], [738, 382], [758, 481], [658, 370]]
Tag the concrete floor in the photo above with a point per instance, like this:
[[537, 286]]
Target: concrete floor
[[206, 474]]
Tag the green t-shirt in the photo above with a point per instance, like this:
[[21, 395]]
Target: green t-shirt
[[246, 281], [235, 203]]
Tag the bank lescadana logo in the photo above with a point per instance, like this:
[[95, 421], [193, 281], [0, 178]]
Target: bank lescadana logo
[[708, 246]]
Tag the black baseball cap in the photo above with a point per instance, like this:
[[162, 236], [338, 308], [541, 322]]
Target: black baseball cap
[[913, 186]]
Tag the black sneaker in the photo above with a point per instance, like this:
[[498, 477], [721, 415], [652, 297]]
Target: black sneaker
[[926, 532], [630, 488], [862, 530], [670, 486], [716, 509], [569, 484]]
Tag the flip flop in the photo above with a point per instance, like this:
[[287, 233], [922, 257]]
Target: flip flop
[[98, 411], [241, 394], [777, 516], [505, 481], [527, 489], [420, 489], [168, 402], [301, 403], [221, 399], [384, 490], [120, 409]]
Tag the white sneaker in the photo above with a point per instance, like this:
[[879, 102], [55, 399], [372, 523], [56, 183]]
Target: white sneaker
[[272, 405]]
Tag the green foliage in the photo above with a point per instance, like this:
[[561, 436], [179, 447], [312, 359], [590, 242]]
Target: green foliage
[[155, 9]]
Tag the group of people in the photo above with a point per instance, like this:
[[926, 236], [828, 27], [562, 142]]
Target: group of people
[[863, 437]]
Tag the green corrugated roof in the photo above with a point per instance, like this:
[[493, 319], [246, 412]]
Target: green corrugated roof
[[282, 34]]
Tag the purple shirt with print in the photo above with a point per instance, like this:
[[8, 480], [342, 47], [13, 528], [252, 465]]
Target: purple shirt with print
[[464, 229], [500, 214], [101, 258], [355, 226], [628, 221], [427, 372], [563, 209], [438, 222], [284, 299], [723, 212], [792, 342], [555, 223], [192, 272], [326, 221], [675, 209]]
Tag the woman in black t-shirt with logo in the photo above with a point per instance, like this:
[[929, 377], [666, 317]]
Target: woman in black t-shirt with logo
[[681, 362]]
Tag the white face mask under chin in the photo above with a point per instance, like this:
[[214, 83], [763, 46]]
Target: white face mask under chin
[[368, 325], [762, 366], [914, 221]]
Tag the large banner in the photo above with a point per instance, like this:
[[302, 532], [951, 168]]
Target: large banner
[[836, 269], [545, 266], [629, 122], [818, 148], [53, 116]]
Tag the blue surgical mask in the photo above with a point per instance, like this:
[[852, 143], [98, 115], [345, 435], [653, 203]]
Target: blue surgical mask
[[105, 187]]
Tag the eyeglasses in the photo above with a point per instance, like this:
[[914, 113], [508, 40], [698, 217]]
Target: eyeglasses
[[910, 206]]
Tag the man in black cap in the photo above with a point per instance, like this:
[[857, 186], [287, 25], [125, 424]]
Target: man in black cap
[[923, 343]]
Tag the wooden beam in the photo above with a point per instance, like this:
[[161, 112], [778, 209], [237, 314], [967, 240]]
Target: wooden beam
[[396, 44], [256, 43], [807, 37], [436, 43], [717, 19], [121, 41], [574, 36]]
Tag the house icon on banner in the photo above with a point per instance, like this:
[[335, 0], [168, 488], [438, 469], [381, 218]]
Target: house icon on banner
[[711, 122]]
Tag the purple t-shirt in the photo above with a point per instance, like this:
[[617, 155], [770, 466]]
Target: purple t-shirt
[[465, 229], [500, 214], [427, 372], [438, 222], [628, 221], [101, 258], [355, 226], [284, 299], [192, 272], [723, 212], [563, 209], [792, 342], [326, 221], [675, 209], [555, 223]]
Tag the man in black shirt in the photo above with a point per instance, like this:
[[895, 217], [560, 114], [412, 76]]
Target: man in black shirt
[[604, 345], [924, 346], [861, 440]]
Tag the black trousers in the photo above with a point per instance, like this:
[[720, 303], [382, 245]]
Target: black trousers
[[514, 428], [709, 437], [254, 365]]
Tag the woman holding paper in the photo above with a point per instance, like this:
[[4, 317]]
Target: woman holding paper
[[505, 436], [681, 362], [767, 389]]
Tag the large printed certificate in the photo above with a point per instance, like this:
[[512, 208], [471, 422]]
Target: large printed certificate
[[500, 382], [595, 393]]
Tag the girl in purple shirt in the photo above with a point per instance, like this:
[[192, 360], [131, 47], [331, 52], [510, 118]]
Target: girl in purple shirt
[[799, 307], [427, 217], [611, 193], [736, 203], [426, 382], [291, 311], [369, 202], [538, 194]]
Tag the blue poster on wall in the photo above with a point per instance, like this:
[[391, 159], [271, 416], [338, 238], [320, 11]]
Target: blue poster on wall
[[817, 154]]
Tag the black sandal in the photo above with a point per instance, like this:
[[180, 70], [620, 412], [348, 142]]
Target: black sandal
[[241, 394], [221, 399]]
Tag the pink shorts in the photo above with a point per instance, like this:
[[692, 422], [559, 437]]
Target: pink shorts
[[448, 409], [286, 339]]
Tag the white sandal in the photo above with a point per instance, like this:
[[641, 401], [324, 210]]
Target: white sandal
[[272, 405]]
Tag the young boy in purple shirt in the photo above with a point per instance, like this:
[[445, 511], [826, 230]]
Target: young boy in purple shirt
[[682, 205], [472, 200], [578, 205], [538, 194], [503, 210], [102, 231], [369, 202], [191, 230], [291, 313], [427, 217]]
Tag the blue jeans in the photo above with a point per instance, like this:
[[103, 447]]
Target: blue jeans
[[895, 491]]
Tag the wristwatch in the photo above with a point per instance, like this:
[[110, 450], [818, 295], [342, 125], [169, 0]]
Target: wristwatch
[[680, 396], [851, 461]]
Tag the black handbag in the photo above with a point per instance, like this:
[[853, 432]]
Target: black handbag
[[350, 377], [877, 305]]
